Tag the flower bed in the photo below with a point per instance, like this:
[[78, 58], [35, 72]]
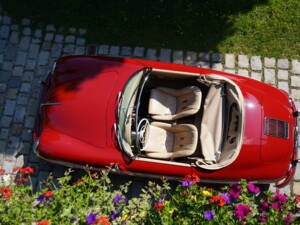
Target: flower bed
[[91, 200]]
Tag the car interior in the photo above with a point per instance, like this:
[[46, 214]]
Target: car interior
[[186, 117]]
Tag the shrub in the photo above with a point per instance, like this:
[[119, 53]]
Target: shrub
[[92, 200]]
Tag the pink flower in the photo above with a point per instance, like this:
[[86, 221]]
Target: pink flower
[[252, 188], [288, 219], [242, 211], [235, 190]]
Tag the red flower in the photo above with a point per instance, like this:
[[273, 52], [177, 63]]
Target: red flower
[[185, 193], [5, 192], [78, 181], [20, 180], [43, 222], [219, 200], [159, 206], [48, 193], [2, 171], [297, 199], [24, 171], [103, 220], [192, 177]]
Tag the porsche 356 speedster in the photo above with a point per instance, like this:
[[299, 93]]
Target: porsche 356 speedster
[[162, 119]]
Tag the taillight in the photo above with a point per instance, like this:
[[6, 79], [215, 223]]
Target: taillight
[[276, 128]]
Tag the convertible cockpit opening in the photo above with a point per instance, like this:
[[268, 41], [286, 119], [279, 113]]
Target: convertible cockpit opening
[[181, 117]]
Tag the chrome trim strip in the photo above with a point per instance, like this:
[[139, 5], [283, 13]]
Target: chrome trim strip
[[162, 161]]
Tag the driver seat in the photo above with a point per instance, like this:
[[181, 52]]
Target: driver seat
[[172, 104], [167, 141]]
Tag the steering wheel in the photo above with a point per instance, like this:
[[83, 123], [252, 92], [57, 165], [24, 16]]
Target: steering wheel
[[141, 129]]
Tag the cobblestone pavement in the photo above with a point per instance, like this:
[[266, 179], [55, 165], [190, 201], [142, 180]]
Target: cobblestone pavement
[[27, 54]]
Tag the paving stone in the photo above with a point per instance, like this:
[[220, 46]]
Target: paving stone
[[255, 62], [43, 58], [7, 66], [22, 99], [50, 27], [26, 148], [4, 31], [12, 93], [18, 71], [72, 30], [243, 61], [33, 51], [69, 49], [82, 31], [21, 58], [138, 52], [2, 87], [178, 57], [38, 33], [59, 38], [79, 50], [5, 121], [202, 64], [27, 31], [6, 20], [151, 54], [217, 66], [19, 114], [216, 57], [295, 81], [14, 27], [80, 41], [165, 55], [191, 58], [269, 75], [283, 63], [30, 64], [10, 52], [56, 50], [14, 37], [229, 60], [296, 94], [36, 41], [1, 59], [14, 142], [285, 190], [29, 122], [70, 39], [9, 108], [284, 85], [16, 129], [3, 44], [14, 83], [49, 37], [297, 175], [243, 72], [5, 75], [103, 50], [114, 51], [9, 166], [24, 43], [25, 22], [283, 74], [204, 56], [25, 87], [295, 66], [232, 71], [32, 107], [28, 76], [46, 46], [4, 133], [126, 51], [3, 145], [26, 134], [269, 62]]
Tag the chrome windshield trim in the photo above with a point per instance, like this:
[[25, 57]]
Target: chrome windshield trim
[[50, 103]]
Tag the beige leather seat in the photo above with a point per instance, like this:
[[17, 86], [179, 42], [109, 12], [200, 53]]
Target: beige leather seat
[[171, 104], [166, 141]]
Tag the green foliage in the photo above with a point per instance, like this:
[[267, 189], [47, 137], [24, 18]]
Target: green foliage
[[66, 202], [254, 27]]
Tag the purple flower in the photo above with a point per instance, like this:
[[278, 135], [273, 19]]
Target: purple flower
[[224, 195], [91, 218], [242, 211], [40, 198], [208, 215], [263, 219], [235, 190], [117, 199], [288, 219], [276, 205], [73, 219], [187, 183], [281, 198], [252, 188], [114, 215]]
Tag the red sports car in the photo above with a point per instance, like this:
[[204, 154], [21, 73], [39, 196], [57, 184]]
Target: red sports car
[[153, 118]]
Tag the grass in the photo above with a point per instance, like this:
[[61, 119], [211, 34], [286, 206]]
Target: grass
[[254, 27]]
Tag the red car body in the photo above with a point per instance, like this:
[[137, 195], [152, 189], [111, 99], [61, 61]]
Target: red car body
[[77, 117]]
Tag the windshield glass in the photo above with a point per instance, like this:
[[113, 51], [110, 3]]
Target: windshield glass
[[125, 109]]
